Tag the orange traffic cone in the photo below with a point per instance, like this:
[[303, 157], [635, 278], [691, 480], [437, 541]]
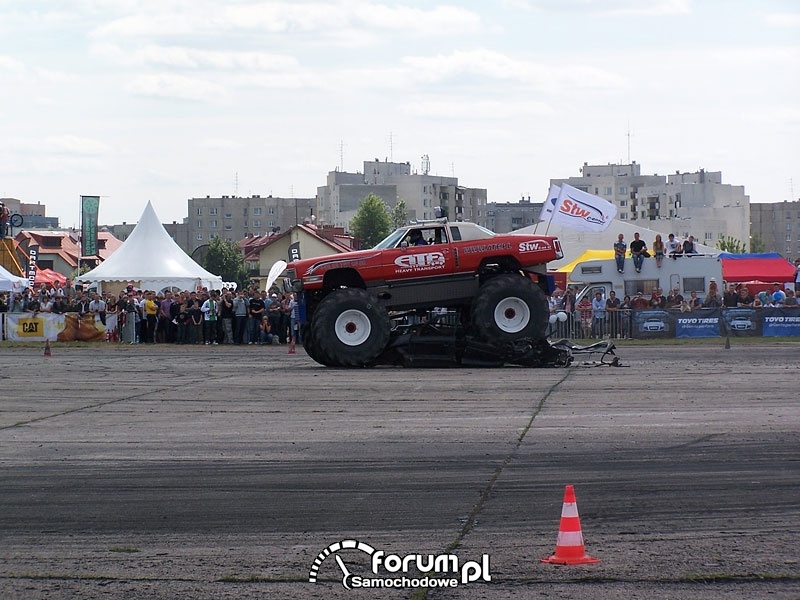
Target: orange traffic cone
[[47, 348], [569, 547], [291, 347]]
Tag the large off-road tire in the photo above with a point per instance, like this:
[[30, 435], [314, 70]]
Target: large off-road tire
[[508, 308], [309, 343], [350, 328]]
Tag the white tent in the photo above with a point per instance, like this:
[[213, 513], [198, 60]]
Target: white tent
[[152, 258], [11, 283]]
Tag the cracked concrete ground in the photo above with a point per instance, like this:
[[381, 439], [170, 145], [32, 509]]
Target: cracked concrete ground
[[222, 472]]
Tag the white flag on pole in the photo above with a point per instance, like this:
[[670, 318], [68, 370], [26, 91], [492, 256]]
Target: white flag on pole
[[550, 203], [582, 211]]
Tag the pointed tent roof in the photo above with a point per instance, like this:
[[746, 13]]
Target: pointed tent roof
[[10, 282], [151, 256]]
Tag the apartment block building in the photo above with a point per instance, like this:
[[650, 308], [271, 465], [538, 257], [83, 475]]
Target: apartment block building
[[234, 217], [777, 226], [340, 198], [697, 204], [505, 217]]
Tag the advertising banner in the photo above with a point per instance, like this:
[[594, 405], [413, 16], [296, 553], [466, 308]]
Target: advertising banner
[[704, 322], [33, 259], [646, 324], [69, 327], [294, 251], [90, 208], [742, 322], [781, 322]]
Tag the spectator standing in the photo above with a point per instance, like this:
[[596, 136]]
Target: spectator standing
[[712, 299], [255, 308], [796, 276], [745, 299], [613, 318], [273, 305], [638, 252], [730, 299], [195, 320], [778, 295], [294, 319], [568, 306], [5, 216], [97, 308], [165, 328], [210, 310], [598, 316], [657, 299], [694, 301], [639, 302], [151, 315], [620, 247], [226, 317], [624, 312], [239, 317], [585, 312], [181, 321]]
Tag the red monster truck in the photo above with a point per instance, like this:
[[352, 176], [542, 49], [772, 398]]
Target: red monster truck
[[496, 283]]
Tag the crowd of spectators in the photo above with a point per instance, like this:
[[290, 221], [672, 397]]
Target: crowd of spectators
[[598, 316], [212, 317]]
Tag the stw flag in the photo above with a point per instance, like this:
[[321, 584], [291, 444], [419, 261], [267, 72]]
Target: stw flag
[[582, 211], [550, 203]]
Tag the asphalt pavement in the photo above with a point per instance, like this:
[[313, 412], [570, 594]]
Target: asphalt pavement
[[236, 472]]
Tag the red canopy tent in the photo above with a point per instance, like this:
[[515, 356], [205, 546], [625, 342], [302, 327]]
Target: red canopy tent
[[49, 277], [766, 268]]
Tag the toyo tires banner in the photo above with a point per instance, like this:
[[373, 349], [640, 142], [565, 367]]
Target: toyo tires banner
[[716, 322]]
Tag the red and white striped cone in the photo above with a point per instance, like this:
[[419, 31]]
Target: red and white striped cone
[[569, 546], [291, 347]]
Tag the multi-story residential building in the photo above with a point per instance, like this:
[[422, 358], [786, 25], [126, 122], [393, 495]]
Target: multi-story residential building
[[504, 217], [234, 218], [340, 198], [697, 204], [777, 226], [34, 215]]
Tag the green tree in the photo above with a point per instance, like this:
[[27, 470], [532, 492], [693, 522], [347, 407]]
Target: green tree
[[224, 258], [731, 244], [78, 272], [371, 222], [756, 244], [399, 214]]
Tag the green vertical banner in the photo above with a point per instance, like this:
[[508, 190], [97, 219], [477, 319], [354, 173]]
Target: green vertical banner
[[90, 207]]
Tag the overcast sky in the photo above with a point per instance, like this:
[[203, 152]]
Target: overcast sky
[[163, 100]]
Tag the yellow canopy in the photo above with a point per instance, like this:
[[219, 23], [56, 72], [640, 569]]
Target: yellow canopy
[[587, 255]]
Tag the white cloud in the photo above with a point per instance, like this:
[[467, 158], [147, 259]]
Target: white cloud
[[450, 108], [176, 86], [783, 19], [76, 145]]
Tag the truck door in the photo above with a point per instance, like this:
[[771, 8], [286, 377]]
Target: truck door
[[411, 261]]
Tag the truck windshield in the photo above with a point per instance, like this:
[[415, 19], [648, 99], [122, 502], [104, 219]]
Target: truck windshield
[[391, 240]]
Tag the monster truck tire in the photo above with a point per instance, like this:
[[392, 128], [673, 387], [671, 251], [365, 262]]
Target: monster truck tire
[[510, 307], [349, 328], [309, 343]]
